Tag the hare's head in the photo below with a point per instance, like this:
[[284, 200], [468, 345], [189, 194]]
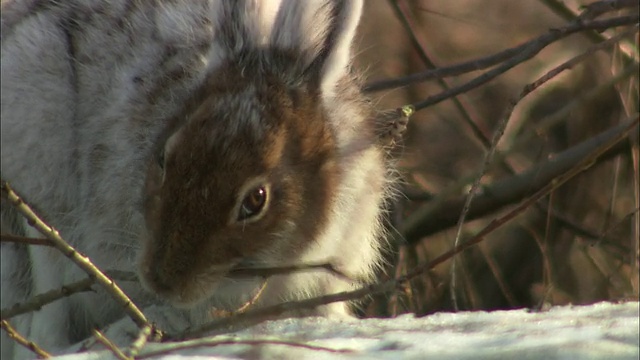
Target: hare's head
[[248, 171]]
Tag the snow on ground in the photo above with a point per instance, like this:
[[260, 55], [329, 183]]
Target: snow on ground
[[600, 331]]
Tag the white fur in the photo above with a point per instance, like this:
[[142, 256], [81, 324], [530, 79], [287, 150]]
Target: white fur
[[77, 131]]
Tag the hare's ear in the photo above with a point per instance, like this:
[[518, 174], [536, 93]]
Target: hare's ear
[[322, 32]]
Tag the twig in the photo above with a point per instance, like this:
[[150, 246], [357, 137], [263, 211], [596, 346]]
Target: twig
[[528, 89], [598, 8], [500, 131], [606, 231], [143, 337], [575, 60], [210, 342], [468, 66], [526, 54], [82, 261], [499, 277], [591, 11], [497, 135], [436, 212], [400, 263], [287, 269], [509, 190], [567, 14], [635, 155], [583, 165], [38, 301], [399, 7], [552, 275], [13, 334], [615, 179], [24, 240], [590, 236], [224, 313], [548, 121], [110, 345]]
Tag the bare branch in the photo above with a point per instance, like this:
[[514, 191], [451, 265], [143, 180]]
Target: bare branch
[[287, 269], [509, 190], [110, 345], [144, 335], [225, 313], [575, 60], [24, 240], [509, 57], [38, 301], [13, 334], [526, 54], [399, 7], [82, 261]]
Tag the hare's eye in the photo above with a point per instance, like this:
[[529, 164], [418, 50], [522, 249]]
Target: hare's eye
[[161, 160], [253, 203]]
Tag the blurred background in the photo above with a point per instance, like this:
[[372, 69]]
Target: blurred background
[[577, 245]]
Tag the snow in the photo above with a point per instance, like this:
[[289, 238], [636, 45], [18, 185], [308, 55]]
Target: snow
[[598, 331]]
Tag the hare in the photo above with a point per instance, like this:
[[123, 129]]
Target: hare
[[183, 140]]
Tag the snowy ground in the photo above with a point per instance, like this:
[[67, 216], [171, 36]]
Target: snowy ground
[[573, 332]]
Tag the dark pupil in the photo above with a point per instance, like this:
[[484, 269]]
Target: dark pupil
[[253, 203]]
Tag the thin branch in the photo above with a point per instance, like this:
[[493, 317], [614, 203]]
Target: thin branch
[[575, 60], [24, 240], [287, 269], [595, 10], [567, 110], [510, 57], [82, 261], [507, 191], [586, 162], [399, 7], [497, 135], [603, 235], [526, 54], [437, 206], [502, 125], [598, 8], [499, 277], [110, 345], [13, 334], [430, 209], [216, 313], [40, 300], [565, 221], [635, 155], [144, 335]]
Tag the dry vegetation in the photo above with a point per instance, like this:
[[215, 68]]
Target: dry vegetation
[[531, 179], [578, 244]]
